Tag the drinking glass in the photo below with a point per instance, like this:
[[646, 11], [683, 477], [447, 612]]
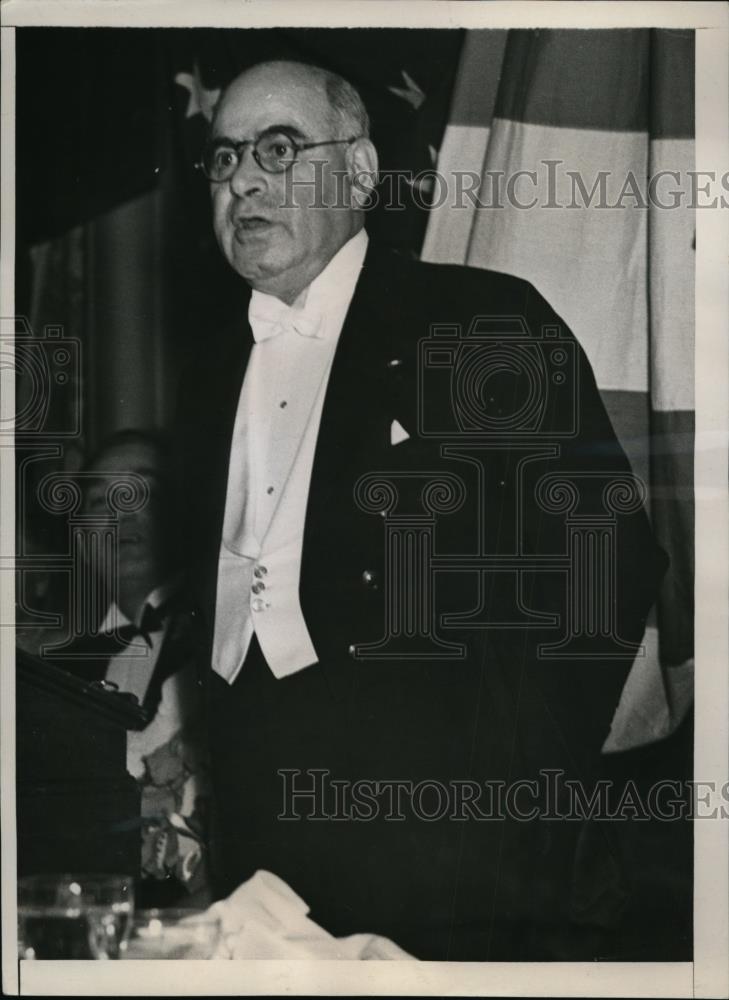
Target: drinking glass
[[74, 916], [173, 933]]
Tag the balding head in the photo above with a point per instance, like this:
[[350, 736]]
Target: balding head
[[347, 113], [278, 230]]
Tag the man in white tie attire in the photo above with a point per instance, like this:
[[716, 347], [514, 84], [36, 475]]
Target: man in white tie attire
[[284, 415]]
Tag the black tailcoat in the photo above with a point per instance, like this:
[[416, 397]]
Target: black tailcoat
[[453, 887]]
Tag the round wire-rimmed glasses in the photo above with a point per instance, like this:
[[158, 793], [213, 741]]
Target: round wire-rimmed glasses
[[275, 151]]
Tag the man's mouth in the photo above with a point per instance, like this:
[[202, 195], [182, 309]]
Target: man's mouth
[[251, 224]]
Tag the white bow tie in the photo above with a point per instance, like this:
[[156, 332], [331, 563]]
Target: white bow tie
[[270, 317]]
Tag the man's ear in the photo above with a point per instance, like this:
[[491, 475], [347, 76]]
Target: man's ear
[[362, 162]]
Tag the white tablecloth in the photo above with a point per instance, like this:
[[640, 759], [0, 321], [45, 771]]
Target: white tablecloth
[[264, 918]]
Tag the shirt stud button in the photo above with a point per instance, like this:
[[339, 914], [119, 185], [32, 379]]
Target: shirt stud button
[[258, 604], [269, 490], [260, 571], [283, 404], [258, 587]]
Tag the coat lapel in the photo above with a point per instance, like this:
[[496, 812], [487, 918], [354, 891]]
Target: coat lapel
[[354, 438], [354, 425]]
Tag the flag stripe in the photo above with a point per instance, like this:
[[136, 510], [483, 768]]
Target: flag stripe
[[629, 414], [672, 471], [651, 701], [477, 81], [462, 154], [671, 258], [672, 84], [577, 79], [588, 262]]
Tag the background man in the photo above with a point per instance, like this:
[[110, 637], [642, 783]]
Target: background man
[[314, 388], [143, 647]]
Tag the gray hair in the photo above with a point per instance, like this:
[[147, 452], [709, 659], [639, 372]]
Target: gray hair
[[350, 114]]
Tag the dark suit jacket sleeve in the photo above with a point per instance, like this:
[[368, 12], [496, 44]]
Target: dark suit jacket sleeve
[[582, 694]]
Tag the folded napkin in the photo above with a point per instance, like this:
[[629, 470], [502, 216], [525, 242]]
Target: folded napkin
[[264, 918]]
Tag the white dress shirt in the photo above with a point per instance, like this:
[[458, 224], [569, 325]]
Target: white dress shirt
[[131, 670], [132, 667], [272, 454]]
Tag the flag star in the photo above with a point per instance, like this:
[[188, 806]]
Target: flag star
[[411, 92], [201, 101]]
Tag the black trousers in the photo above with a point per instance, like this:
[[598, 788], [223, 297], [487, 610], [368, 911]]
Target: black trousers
[[260, 729], [443, 889]]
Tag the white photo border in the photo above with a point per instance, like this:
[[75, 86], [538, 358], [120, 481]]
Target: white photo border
[[708, 974]]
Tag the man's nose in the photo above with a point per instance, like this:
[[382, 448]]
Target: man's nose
[[248, 178]]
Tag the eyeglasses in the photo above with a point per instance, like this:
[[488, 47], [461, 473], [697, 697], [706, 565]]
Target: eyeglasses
[[274, 151]]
